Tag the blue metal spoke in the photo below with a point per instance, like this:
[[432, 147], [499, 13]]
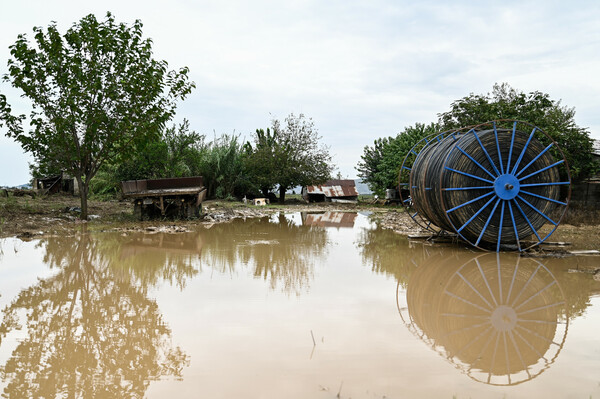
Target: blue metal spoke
[[405, 167], [516, 167], [486, 153], [500, 228], [468, 188], [512, 217], [537, 210], [470, 175], [512, 141], [498, 149], [475, 215], [542, 170], [526, 219], [470, 202], [533, 160], [475, 162], [545, 184], [544, 198], [488, 221], [413, 151]]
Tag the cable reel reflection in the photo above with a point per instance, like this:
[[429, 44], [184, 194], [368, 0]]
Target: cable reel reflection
[[501, 322]]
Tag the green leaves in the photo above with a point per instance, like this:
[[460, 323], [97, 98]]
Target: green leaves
[[288, 155], [380, 164], [97, 94], [537, 108]]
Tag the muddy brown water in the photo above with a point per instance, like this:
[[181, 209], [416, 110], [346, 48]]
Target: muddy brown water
[[292, 306]]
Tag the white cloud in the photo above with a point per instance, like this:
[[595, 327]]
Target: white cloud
[[361, 70]]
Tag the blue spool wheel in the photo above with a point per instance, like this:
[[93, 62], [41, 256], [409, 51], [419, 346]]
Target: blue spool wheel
[[500, 184], [405, 186]]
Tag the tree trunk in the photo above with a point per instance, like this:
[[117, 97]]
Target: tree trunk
[[83, 194], [281, 195]]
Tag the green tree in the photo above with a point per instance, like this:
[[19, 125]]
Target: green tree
[[380, 164], [537, 108], [288, 155], [263, 173], [97, 94], [181, 152]]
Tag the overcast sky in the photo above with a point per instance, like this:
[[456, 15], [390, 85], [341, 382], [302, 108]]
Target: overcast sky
[[361, 69]]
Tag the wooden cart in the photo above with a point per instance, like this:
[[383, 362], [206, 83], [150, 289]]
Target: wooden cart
[[175, 197]]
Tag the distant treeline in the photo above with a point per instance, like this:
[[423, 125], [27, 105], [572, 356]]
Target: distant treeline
[[285, 156]]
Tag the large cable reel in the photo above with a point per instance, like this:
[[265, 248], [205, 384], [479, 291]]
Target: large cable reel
[[494, 185]]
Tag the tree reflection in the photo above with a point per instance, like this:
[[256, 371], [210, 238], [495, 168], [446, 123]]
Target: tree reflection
[[91, 330], [387, 252], [278, 250]]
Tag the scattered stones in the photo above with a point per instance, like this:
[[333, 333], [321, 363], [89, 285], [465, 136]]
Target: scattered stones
[[170, 229], [399, 222]]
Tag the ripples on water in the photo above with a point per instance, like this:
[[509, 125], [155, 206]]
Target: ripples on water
[[298, 305]]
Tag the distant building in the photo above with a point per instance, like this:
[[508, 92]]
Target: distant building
[[343, 191], [587, 192], [61, 183]]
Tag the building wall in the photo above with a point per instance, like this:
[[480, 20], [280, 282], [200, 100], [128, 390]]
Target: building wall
[[586, 193]]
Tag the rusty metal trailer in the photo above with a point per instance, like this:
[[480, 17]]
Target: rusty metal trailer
[[174, 197]]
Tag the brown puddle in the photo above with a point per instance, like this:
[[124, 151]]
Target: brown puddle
[[294, 306]]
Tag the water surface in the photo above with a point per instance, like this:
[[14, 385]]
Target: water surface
[[295, 306]]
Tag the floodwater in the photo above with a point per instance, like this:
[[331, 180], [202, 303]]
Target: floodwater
[[292, 306]]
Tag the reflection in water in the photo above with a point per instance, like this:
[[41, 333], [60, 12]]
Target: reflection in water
[[91, 330], [277, 249], [153, 258], [502, 322], [387, 252], [329, 219]]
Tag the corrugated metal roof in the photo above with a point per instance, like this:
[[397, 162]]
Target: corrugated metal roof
[[334, 188]]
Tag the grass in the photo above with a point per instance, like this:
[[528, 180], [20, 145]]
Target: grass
[[580, 215]]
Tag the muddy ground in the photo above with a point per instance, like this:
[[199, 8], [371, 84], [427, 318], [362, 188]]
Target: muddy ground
[[28, 217]]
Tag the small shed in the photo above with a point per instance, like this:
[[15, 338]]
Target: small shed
[[61, 183], [343, 191], [177, 197]]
